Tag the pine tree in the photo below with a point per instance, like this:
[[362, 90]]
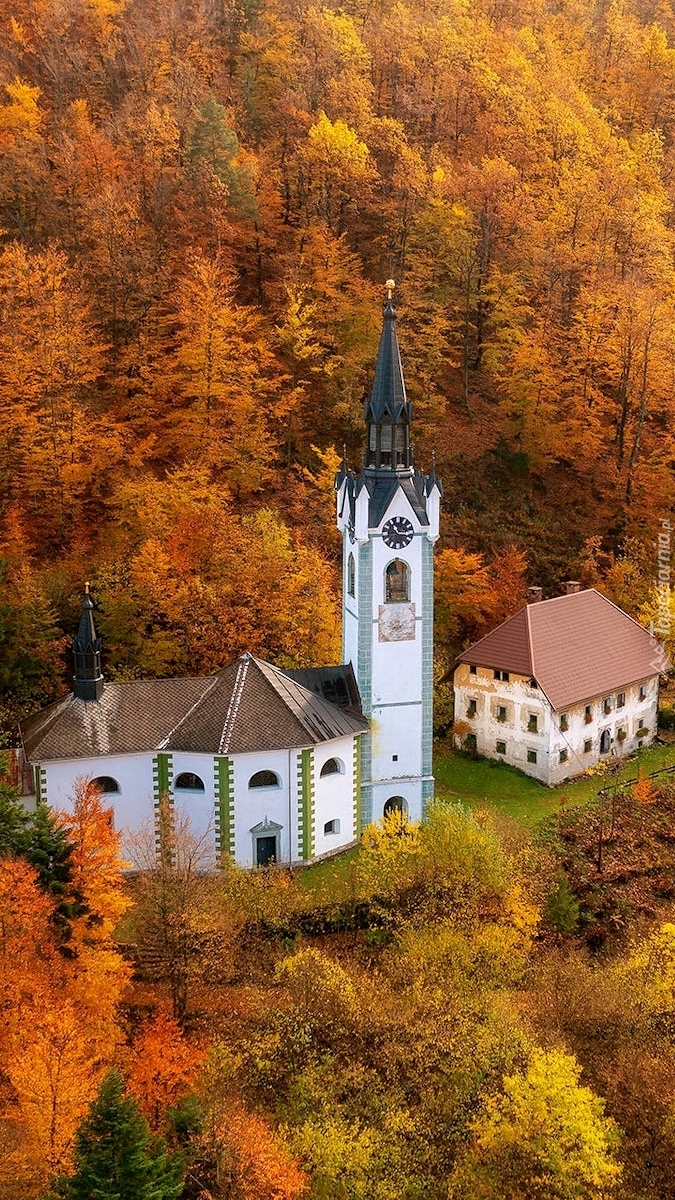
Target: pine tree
[[13, 816], [116, 1156]]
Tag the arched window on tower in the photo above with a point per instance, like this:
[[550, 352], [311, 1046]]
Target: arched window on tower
[[351, 576], [396, 804], [397, 582]]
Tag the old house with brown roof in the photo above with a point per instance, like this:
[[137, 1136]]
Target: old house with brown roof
[[559, 686]]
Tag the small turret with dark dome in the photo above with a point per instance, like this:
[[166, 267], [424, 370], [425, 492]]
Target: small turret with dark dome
[[88, 678]]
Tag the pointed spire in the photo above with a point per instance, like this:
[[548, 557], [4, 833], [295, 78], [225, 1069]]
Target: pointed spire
[[388, 411], [88, 679]]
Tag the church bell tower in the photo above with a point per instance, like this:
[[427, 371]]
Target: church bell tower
[[388, 514]]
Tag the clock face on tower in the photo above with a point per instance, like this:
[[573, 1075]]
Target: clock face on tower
[[397, 532]]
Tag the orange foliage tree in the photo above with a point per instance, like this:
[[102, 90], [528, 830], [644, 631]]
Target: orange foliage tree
[[163, 1069]]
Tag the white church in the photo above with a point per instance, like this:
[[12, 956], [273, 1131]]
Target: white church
[[276, 765]]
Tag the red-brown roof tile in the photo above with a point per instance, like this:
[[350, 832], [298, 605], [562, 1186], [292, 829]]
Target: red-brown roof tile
[[576, 647]]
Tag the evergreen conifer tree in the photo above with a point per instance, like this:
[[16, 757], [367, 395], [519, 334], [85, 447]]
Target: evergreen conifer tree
[[46, 845], [116, 1156], [13, 817]]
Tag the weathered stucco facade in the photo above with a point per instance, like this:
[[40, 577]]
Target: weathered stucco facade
[[512, 720]]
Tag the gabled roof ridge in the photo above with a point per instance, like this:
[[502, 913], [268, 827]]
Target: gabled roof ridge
[[211, 681], [235, 701]]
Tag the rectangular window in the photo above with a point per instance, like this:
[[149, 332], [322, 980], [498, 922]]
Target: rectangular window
[[501, 712], [532, 723], [607, 705], [503, 675], [588, 715], [641, 724], [501, 747], [588, 745], [532, 756], [643, 691], [471, 710], [564, 722], [621, 700], [472, 669], [563, 756]]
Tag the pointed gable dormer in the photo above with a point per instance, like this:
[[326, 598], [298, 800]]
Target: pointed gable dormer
[[388, 410], [88, 678]]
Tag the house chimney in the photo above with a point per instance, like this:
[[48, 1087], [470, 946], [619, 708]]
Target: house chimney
[[571, 587], [534, 595]]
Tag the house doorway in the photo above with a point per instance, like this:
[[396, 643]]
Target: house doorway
[[265, 850], [604, 741], [266, 843]]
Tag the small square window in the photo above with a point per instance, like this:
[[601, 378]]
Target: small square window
[[472, 669], [563, 756], [505, 676], [501, 712], [532, 723], [532, 756], [641, 724], [564, 722], [394, 758], [588, 745], [643, 691], [501, 747], [471, 710], [621, 700]]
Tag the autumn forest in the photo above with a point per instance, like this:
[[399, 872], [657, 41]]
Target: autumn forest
[[200, 201]]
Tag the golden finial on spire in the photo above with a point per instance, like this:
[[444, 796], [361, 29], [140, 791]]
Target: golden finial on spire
[[390, 285]]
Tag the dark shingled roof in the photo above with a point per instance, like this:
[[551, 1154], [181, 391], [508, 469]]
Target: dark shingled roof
[[250, 706], [336, 684], [576, 647]]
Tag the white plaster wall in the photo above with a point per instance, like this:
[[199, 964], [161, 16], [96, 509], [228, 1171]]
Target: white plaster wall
[[132, 806], [410, 789], [198, 807], [396, 731], [334, 795], [254, 805], [520, 700], [625, 718], [397, 665]]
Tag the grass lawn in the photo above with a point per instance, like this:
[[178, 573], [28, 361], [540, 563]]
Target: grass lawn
[[481, 782], [485, 781]]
